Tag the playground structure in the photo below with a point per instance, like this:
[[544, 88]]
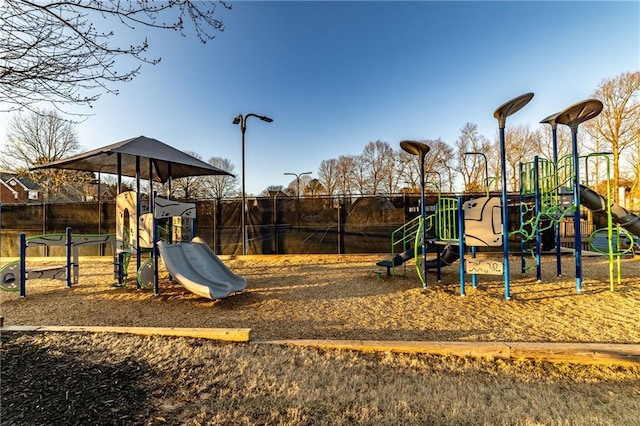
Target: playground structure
[[138, 223], [14, 275], [550, 196], [188, 259]]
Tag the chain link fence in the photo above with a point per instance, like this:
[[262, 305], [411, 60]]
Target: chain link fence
[[275, 225]]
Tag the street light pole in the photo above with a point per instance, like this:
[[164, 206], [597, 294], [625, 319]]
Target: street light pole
[[242, 121], [297, 175]]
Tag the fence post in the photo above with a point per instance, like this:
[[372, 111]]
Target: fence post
[[45, 214], [275, 224]]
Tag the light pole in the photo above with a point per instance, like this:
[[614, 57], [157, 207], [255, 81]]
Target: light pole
[[501, 114], [572, 117], [297, 175], [242, 121]]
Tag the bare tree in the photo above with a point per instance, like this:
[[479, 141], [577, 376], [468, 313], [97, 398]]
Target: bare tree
[[594, 167], [393, 171], [41, 137], [191, 186], [314, 188], [522, 144], [377, 158], [358, 175], [634, 171], [409, 170], [346, 174], [472, 166], [563, 142], [38, 138], [438, 172], [66, 53], [328, 175], [438, 161], [619, 121], [221, 186]]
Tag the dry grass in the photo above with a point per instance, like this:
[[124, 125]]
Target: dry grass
[[109, 379], [153, 380], [333, 297]]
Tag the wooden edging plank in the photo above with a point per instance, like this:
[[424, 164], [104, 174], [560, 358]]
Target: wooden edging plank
[[578, 353], [473, 349], [583, 353], [225, 334]]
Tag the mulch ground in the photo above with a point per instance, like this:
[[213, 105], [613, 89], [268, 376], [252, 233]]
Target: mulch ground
[[54, 378]]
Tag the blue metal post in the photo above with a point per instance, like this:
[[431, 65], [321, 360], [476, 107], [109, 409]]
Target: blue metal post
[[23, 264], [501, 115], [505, 215], [474, 277], [572, 117], [556, 182], [437, 234], [537, 211], [523, 265], [169, 191], [423, 213], [576, 203], [551, 120], [68, 255], [461, 244], [138, 214], [154, 250], [119, 172], [119, 257]]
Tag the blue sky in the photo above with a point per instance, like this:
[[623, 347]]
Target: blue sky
[[337, 75]]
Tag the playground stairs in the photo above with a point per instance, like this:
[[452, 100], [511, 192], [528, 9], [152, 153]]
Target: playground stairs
[[402, 247]]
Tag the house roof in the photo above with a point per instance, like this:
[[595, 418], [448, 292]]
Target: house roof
[[25, 182], [147, 155], [6, 185]]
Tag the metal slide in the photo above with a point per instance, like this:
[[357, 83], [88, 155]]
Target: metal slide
[[398, 260], [447, 257], [199, 270], [619, 215]]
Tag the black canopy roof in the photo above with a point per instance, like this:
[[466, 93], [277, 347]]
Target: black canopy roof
[[162, 160]]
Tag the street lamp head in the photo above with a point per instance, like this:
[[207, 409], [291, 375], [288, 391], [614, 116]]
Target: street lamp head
[[511, 107], [238, 119], [416, 148], [265, 118]]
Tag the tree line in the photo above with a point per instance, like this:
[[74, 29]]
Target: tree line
[[470, 164], [55, 56]]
